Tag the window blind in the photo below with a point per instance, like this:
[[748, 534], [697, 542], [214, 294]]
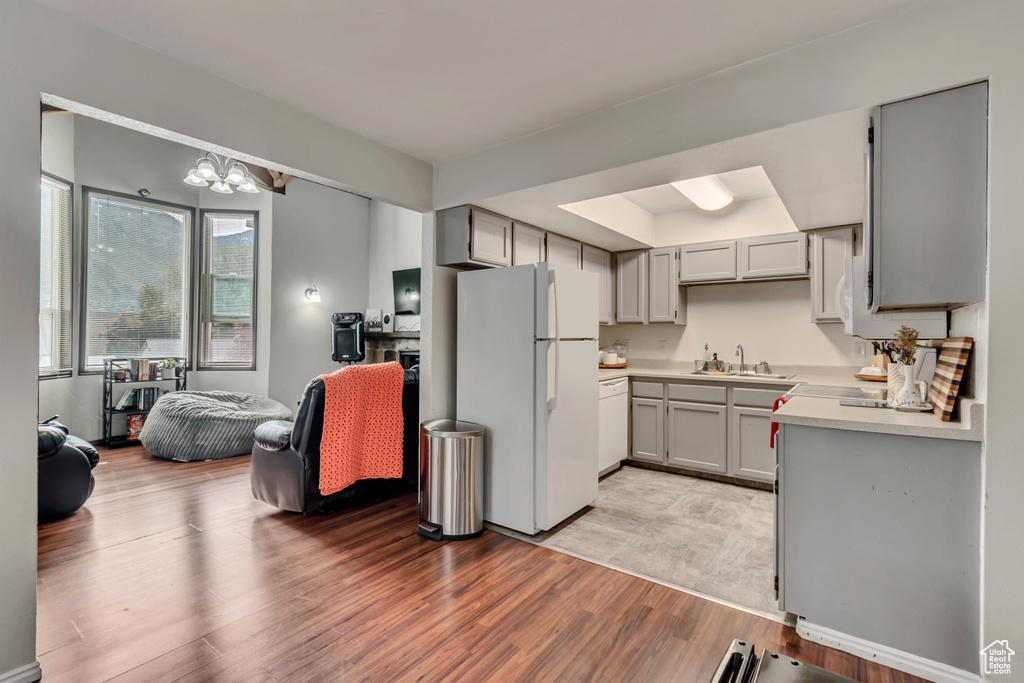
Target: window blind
[[136, 279], [54, 277], [227, 290]]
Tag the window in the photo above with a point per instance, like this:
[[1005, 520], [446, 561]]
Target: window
[[227, 290], [54, 277], [136, 287]]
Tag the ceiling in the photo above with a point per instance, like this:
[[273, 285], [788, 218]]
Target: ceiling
[[743, 184], [445, 78], [815, 166]]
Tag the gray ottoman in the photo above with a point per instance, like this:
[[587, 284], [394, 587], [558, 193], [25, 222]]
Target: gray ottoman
[[207, 425]]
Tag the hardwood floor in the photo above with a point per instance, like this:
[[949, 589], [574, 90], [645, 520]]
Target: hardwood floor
[[172, 572]]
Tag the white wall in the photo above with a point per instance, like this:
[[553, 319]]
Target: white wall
[[92, 67], [322, 237], [767, 216], [395, 244], [772, 320], [932, 46]]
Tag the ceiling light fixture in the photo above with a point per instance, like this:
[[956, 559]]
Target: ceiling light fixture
[[219, 174], [312, 295], [707, 192]]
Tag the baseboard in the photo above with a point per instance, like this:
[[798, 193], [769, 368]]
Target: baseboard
[[30, 673], [882, 654]]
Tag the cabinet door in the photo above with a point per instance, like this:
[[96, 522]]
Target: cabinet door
[[490, 238], [830, 250], [929, 198], [697, 436], [648, 429], [600, 261], [631, 287], [707, 261], [663, 285], [563, 252], [527, 244], [750, 456], [773, 256]]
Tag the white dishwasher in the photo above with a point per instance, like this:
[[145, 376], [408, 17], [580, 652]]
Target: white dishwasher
[[612, 422]]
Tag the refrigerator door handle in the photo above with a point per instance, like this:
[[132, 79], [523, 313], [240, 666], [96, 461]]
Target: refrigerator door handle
[[552, 388], [554, 302]]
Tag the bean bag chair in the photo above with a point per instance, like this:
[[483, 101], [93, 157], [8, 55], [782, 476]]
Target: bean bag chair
[[207, 425]]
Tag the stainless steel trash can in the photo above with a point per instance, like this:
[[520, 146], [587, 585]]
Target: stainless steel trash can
[[451, 480]]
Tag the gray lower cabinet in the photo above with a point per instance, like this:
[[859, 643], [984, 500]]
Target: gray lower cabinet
[[648, 429], [697, 436], [750, 456], [830, 250], [600, 261], [563, 252], [771, 256], [631, 287], [872, 528], [527, 244], [470, 237]]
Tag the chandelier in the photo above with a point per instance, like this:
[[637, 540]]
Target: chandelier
[[219, 174]]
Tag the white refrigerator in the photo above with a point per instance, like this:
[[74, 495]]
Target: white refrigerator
[[527, 372]]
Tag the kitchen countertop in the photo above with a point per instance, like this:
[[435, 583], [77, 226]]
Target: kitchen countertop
[[825, 412]]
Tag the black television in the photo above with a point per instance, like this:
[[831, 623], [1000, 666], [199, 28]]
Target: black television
[[407, 291]]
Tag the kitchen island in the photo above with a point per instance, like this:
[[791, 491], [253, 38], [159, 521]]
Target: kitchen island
[[878, 532]]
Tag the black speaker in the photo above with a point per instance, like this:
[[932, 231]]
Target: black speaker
[[347, 343]]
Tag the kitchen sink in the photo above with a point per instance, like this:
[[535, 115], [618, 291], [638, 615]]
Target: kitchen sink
[[733, 373]]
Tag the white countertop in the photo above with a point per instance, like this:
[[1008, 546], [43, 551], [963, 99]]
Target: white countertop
[[826, 412]]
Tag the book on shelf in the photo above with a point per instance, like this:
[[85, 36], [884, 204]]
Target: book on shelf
[[125, 399]]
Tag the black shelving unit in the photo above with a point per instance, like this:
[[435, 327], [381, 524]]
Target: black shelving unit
[[126, 367]]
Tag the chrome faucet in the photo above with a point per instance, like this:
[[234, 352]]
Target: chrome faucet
[[739, 352], [767, 370]]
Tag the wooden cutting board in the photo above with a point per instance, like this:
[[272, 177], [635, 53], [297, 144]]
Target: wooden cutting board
[[949, 373]]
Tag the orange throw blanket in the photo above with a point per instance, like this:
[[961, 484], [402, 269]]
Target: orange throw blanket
[[362, 425]]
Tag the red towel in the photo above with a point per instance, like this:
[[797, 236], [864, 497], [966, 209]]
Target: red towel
[[362, 425]]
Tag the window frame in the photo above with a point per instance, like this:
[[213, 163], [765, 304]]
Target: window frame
[[186, 337], [69, 267], [199, 264]]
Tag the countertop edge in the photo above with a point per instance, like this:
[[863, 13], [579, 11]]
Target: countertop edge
[[972, 428]]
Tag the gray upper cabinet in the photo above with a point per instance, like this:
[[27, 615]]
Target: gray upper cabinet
[[750, 455], [563, 252], [697, 436], [772, 256], [830, 250], [600, 261], [665, 298], [527, 244], [927, 236], [470, 237], [707, 261], [631, 287]]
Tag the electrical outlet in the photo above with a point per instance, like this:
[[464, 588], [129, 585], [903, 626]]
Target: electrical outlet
[[860, 349], [662, 344]]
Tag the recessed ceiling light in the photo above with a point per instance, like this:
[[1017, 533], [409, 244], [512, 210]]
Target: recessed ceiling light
[[707, 192]]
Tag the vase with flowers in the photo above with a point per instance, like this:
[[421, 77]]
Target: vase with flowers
[[903, 349]]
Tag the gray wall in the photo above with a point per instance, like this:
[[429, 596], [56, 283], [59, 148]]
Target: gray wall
[[110, 157], [92, 67], [322, 238]]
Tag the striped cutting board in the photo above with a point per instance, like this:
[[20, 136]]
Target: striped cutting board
[[949, 372]]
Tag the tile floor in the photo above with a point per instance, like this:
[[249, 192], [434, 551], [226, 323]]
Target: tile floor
[[713, 538]]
